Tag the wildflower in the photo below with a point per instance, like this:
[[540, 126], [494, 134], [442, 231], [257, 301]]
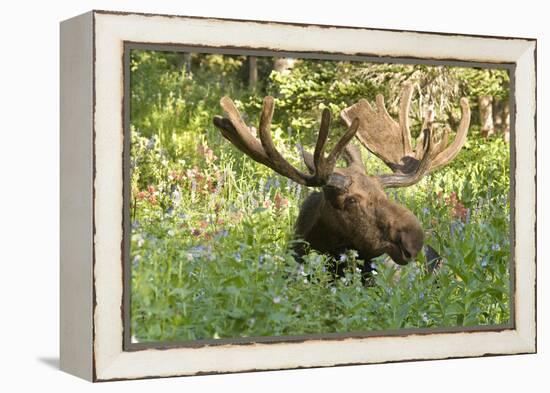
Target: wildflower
[[343, 258], [456, 227], [207, 153], [280, 202], [495, 247], [424, 317], [220, 234], [190, 257], [237, 256], [277, 299], [151, 189], [421, 296], [151, 142], [140, 241], [425, 210], [171, 232], [136, 260], [484, 262], [298, 308], [141, 195], [174, 175], [333, 290], [353, 253], [176, 197]]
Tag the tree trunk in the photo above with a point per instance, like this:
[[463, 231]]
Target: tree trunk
[[506, 121], [252, 72], [498, 107], [501, 118], [486, 115]]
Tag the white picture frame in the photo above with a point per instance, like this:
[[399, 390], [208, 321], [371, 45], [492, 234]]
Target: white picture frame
[[92, 208]]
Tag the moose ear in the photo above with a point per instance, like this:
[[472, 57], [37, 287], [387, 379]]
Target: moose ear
[[308, 159]]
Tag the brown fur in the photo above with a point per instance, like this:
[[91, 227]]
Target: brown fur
[[360, 217]]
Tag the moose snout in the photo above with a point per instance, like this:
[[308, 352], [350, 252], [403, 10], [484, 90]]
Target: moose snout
[[409, 242]]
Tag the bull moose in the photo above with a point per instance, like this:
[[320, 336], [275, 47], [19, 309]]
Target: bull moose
[[352, 211]]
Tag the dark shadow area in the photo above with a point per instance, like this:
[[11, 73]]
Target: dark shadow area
[[52, 362]]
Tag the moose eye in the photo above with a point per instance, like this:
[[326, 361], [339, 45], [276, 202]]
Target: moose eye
[[350, 201]]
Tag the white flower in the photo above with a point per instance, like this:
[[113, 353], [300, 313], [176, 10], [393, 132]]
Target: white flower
[[189, 256], [171, 232], [176, 197], [277, 299]]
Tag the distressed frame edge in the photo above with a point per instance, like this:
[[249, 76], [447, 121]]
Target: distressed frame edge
[[76, 196], [528, 340]]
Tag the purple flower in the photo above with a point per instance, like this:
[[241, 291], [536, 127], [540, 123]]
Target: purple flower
[[220, 234]]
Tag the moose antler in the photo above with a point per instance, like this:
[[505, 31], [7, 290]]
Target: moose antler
[[234, 129], [391, 141]]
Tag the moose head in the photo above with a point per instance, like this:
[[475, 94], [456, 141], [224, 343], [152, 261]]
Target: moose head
[[352, 210]]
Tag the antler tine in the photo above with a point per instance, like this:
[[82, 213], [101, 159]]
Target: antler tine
[[236, 131], [426, 124], [442, 143], [408, 179], [341, 144], [322, 137], [450, 153], [276, 160], [404, 121]]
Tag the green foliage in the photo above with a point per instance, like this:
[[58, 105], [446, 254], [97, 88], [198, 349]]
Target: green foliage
[[211, 229]]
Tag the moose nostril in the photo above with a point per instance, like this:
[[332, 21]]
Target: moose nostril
[[406, 253]]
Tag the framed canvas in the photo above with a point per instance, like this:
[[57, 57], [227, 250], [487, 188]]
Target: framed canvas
[[215, 220]]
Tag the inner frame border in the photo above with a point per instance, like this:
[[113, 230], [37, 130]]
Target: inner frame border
[[128, 46]]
